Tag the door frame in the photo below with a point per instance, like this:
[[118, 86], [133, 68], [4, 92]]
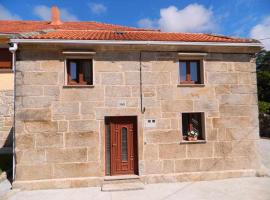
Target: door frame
[[107, 121]]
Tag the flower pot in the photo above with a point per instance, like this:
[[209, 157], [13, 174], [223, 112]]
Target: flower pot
[[192, 138]]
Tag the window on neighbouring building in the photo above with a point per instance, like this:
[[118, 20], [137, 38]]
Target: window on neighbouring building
[[193, 122], [5, 59], [190, 72], [80, 72]]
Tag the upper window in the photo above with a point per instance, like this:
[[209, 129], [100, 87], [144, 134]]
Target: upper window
[[190, 72], [5, 59], [192, 126], [80, 72]]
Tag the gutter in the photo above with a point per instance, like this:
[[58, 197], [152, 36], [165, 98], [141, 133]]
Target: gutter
[[133, 42], [13, 48]]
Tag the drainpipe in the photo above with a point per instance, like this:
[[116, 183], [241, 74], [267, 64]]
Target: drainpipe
[[13, 48], [141, 92]]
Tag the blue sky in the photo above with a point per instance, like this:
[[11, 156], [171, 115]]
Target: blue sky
[[244, 18]]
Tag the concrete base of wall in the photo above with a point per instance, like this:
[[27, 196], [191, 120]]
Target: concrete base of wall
[[147, 179]]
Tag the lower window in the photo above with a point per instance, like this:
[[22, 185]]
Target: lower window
[[193, 126]]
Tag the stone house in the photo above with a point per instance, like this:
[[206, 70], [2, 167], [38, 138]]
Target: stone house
[[96, 101]]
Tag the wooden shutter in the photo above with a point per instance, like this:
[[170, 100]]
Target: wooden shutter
[[5, 59]]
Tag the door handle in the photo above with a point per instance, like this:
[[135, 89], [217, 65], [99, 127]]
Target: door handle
[[113, 145]]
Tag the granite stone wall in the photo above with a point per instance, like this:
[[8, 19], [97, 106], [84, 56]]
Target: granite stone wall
[[60, 131], [6, 120]]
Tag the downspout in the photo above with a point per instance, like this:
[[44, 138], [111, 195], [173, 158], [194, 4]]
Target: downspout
[[13, 48], [141, 92]]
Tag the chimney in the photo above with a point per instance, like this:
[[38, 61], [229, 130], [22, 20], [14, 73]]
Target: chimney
[[55, 16]]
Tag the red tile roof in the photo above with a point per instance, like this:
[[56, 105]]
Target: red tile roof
[[134, 35], [8, 26], [102, 31]]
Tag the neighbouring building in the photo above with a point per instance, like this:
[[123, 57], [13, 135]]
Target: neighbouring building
[[96, 100], [6, 103]]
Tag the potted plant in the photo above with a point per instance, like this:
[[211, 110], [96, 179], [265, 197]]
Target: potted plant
[[192, 135]]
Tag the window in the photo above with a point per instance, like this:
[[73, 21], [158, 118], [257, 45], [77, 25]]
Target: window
[[190, 72], [5, 59], [80, 72], [193, 122]]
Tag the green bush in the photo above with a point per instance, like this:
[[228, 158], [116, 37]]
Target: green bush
[[264, 107]]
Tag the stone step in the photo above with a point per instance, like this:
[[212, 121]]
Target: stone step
[[110, 187], [122, 183]]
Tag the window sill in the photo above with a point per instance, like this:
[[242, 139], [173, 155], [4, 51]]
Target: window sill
[[191, 85], [78, 86], [193, 142], [6, 71]]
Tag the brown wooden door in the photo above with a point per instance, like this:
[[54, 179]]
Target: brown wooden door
[[123, 145]]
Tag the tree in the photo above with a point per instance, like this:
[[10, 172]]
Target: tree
[[263, 81]]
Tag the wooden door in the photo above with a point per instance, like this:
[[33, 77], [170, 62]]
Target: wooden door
[[123, 145]]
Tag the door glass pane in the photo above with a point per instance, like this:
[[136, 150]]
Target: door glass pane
[[196, 123], [183, 71], [73, 71], [194, 71], [108, 149], [87, 71], [124, 152]]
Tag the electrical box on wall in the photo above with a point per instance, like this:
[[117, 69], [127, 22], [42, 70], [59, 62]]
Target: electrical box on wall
[[150, 123]]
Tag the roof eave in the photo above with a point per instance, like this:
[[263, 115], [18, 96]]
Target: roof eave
[[134, 42]]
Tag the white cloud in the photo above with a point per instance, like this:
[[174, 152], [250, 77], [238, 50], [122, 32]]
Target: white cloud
[[261, 32], [44, 13], [147, 23], [5, 14], [97, 8], [193, 18]]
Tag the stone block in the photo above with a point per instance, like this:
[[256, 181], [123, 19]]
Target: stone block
[[35, 156], [177, 106], [212, 164], [206, 105], [200, 150], [112, 78], [62, 126], [222, 78], [162, 136], [82, 94], [237, 110], [40, 78], [153, 78], [33, 172], [66, 155], [232, 122], [132, 78], [247, 133], [70, 170], [65, 108], [153, 167], [34, 115], [168, 166], [37, 102], [223, 149], [215, 66], [244, 89], [117, 91], [25, 141], [244, 148], [49, 140], [222, 89], [83, 125], [93, 153], [86, 139], [29, 90], [41, 126], [164, 92], [150, 152], [51, 91], [172, 151], [187, 165], [51, 65], [245, 67]]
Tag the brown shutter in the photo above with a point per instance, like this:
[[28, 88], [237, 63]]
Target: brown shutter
[[5, 59]]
